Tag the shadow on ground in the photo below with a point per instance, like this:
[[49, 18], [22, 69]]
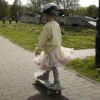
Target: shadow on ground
[[43, 96]]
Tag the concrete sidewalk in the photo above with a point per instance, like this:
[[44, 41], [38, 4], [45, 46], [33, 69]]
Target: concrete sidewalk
[[17, 77], [83, 53]]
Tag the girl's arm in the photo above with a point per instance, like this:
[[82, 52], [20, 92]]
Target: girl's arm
[[42, 39]]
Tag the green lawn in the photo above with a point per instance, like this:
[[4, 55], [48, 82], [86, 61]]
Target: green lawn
[[86, 67], [26, 36]]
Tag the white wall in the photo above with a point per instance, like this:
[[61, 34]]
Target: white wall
[[65, 20]]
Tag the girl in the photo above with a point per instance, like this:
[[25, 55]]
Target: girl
[[49, 42]]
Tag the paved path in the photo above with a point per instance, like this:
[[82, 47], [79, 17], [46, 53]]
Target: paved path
[[83, 53], [17, 79]]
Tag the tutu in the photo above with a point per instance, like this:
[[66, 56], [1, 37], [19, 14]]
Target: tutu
[[58, 57]]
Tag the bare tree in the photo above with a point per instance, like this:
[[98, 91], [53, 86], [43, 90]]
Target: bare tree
[[69, 4], [17, 2], [64, 4], [40, 3]]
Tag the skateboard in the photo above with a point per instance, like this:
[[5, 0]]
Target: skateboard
[[47, 83]]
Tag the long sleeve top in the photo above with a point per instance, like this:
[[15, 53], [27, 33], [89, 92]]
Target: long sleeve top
[[50, 37]]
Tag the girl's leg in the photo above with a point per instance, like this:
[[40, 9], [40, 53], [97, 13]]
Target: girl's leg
[[56, 76], [47, 73]]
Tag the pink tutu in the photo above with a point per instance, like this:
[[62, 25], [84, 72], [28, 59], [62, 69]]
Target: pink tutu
[[58, 57]]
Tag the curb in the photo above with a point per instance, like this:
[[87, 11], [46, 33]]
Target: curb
[[80, 75]]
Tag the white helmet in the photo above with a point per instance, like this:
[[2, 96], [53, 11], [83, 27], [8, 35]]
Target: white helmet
[[50, 9]]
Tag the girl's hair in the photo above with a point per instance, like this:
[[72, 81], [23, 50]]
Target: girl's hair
[[51, 17]]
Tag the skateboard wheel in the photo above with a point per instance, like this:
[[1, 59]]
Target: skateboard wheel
[[36, 82], [59, 92], [49, 92]]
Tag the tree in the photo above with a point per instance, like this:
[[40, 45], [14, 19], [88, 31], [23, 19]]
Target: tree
[[81, 11], [69, 4], [35, 5], [14, 8], [3, 9], [64, 4], [92, 10]]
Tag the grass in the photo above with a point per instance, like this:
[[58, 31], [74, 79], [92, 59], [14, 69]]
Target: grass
[[78, 37], [26, 36], [85, 67]]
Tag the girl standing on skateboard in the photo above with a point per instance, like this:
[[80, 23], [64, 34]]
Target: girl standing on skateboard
[[53, 55]]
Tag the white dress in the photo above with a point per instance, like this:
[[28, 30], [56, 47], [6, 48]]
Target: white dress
[[57, 58]]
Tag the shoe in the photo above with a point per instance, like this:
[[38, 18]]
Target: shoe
[[43, 77]]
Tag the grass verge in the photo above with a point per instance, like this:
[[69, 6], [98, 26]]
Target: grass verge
[[86, 67], [26, 35]]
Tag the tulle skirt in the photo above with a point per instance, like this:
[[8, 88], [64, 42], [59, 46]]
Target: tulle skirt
[[58, 57]]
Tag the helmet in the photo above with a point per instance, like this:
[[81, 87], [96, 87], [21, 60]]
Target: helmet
[[50, 9]]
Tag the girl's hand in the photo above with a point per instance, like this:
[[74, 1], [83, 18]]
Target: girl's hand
[[37, 54]]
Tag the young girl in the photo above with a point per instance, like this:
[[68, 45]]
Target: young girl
[[53, 55]]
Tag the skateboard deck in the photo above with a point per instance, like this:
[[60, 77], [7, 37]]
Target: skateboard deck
[[47, 83]]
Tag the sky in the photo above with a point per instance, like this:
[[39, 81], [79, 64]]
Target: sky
[[86, 3], [83, 3]]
